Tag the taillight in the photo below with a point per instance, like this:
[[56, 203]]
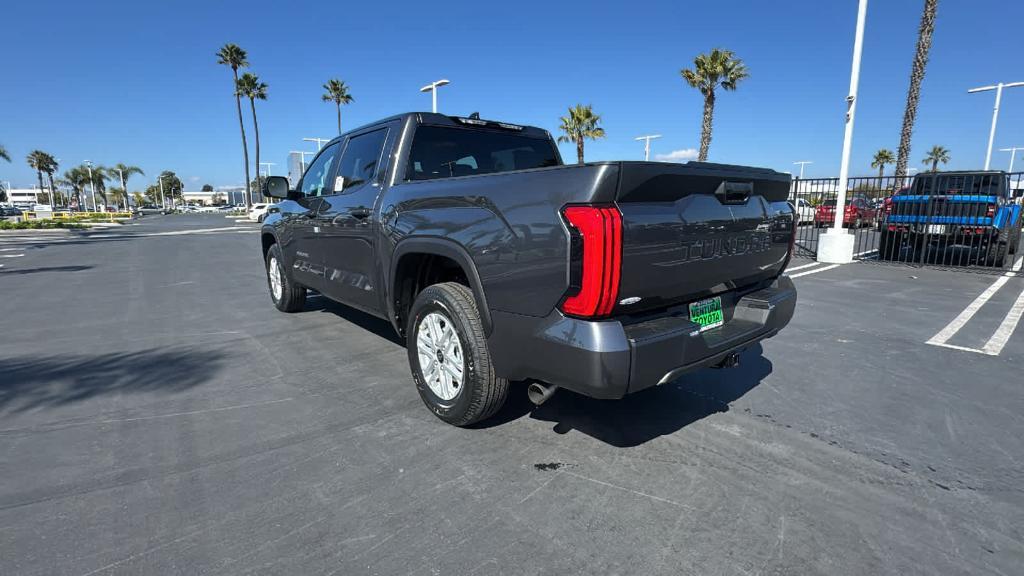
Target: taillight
[[991, 212], [596, 257]]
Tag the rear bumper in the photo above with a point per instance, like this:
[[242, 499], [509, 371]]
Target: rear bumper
[[607, 359]]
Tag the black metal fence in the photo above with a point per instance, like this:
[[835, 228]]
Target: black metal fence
[[941, 219]]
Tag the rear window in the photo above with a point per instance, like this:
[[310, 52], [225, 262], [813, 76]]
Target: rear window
[[446, 152], [942, 184]]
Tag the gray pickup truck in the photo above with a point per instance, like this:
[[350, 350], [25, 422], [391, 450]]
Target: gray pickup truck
[[497, 263]]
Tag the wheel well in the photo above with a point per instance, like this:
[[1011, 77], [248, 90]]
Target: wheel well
[[268, 241], [415, 272]]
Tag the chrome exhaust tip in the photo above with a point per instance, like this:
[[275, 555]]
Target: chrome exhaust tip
[[539, 393]]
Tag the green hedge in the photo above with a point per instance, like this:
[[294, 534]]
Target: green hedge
[[38, 224]]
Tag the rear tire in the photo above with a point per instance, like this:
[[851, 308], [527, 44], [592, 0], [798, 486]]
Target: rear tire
[[443, 312], [286, 295]]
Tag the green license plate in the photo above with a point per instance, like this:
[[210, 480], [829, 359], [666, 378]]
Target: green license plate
[[707, 313]]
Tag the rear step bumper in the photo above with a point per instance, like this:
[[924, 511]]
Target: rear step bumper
[[605, 359]]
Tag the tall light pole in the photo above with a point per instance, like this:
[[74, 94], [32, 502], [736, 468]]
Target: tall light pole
[[92, 185], [647, 144], [268, 165], [432, 88], [163, 201], [995, 112], [836, 246], [802, 163], [319, 142], [124, 190], [1013, 152]]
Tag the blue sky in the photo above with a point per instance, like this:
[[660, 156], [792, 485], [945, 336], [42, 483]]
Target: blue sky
[[137, 82]]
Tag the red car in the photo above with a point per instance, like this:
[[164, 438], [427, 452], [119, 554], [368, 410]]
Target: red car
[[858, 213]]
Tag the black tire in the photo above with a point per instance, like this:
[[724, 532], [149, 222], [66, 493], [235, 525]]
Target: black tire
[[481, 393], [1015, 244], [858, 223], [997, 253], [292, 296]]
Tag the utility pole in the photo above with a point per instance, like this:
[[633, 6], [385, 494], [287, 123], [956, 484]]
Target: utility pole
[[92, 185], [802, 163], [836, 246], [1013, 152], [432, 88], [647, 144], [995, 112], [319, 143]]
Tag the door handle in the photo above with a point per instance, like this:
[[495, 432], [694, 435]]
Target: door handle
[[360, 213]]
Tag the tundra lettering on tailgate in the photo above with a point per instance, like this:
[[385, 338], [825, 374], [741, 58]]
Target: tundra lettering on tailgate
[[731, 245]]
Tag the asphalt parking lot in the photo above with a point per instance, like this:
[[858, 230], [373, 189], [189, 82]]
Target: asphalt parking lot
[[159, 416]]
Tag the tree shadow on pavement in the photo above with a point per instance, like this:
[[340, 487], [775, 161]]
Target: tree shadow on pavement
[[646, 415], [31, 382]]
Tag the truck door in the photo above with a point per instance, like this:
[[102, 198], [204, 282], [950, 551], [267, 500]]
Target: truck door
[[300, 219], [347, 221]]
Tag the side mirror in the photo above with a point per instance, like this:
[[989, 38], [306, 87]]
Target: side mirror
[[275, 187]]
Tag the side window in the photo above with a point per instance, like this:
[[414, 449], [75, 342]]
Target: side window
[[360, 159], [315, 181]]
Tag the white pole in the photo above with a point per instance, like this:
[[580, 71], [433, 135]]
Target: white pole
[[995, 118], [851, 109], [647, 144], [433, 96], [163, 201], [124, 190], [92, 185], [802, 163], [1011, 160], [1013, 152]]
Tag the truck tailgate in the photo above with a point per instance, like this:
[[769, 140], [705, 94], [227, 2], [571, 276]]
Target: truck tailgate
[[698, 229]]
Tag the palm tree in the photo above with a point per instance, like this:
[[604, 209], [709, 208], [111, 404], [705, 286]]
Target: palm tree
[[50, 165], [77, 178], [99, 182], [580, 124], [249, 86], [716, 68], [880, 159], [123, 172], [935, 155], [924, 46], [37, 160], [338, 93], [4, 154], [234, 57]]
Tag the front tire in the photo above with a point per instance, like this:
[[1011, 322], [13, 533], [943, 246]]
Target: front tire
[[448, 355], [286, 295]]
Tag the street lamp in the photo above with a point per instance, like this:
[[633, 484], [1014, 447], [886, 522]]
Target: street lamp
[[836, 246], [92, 185], [802, 163], [647, 144], [432, 88], [995, 112], [319, 142], [1013, 152]]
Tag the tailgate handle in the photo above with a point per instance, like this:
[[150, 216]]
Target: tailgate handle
[[734, 192]]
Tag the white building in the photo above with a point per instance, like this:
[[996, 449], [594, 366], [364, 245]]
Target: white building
[[23, 196]]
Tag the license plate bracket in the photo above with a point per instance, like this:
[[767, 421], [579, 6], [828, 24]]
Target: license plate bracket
[[707, 313]]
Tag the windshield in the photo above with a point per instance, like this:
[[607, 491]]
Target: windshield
[[445, 152], [986, 184]]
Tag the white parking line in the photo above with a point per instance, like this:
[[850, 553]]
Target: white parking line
[[795, 268], [815, 271], [1002, 334], [865, 252], [11, 255]]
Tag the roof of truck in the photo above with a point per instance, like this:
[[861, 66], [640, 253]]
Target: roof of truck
[[435, 118]]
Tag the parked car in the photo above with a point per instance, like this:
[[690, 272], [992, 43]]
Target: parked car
[[258, 212], [966, 210], [857, 214], [9, 212], [496, 262], [804, 211]]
